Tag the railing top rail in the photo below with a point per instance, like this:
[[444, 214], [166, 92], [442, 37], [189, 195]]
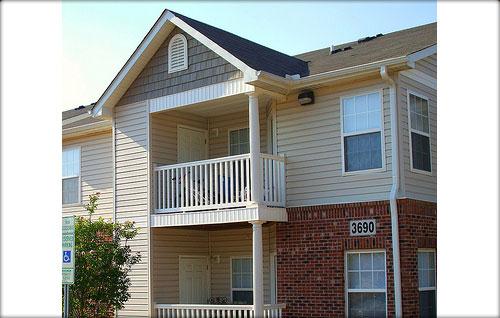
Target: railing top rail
[[200, 306], [207, 306], [201, 162]]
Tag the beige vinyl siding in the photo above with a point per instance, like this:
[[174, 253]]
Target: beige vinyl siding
[[237, 243], [428, 65], [205, 67], [170, 243], [96, 162], [219, 144], [417, 185], [310, 138], [131, 149], [164, 134]]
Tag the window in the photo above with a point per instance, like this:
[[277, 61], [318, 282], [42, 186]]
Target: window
[[366, 284], [427, 283], [177, 54], [419, 133], [71, 176], [362, 132], [241, 281], [239, 141]]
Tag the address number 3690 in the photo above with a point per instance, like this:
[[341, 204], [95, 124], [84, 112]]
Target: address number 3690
[[362, 227]]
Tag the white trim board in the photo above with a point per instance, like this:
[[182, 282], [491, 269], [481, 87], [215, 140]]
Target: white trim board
[[421, 77], [219, 216], [428, 51], [198, 95]]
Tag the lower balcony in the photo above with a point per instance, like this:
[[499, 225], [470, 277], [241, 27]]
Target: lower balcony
[[216, 311]]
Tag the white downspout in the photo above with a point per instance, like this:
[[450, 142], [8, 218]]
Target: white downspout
[[394, 191]]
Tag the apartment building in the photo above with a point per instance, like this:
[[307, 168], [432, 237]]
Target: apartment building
[[263, 184]]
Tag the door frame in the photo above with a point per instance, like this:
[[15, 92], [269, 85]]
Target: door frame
[[208, 271], [204, 131], [273, 277]]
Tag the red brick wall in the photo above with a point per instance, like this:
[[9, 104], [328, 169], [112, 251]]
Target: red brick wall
[[312, 245]]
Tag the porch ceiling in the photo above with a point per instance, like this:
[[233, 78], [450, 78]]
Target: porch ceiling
[[221, 106]]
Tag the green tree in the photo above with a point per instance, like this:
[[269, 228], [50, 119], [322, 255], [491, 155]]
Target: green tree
[[103, 260]]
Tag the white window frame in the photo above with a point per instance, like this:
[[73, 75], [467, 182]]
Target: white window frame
[[229, 130], [346, 278], [184, 66], [408, 93], [79, 202], [428, 250], [231, 275], [366, 131]]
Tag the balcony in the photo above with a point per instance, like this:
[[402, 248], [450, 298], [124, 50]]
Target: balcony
[[216, 311], [215, 184]]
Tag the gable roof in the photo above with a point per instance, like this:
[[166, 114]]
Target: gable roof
[[258, 62], [391, 45], [258, 57]]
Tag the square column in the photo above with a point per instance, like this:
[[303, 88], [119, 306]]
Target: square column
[[258, 268], [255, 165]]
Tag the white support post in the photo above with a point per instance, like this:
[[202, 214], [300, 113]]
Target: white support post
[[255, 166], [258, 268]]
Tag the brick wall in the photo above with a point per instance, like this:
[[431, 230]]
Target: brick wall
[[312, 245]]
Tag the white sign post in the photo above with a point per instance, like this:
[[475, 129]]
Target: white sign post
[[68, 258]]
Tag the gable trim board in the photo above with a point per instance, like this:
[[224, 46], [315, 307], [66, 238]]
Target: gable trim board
[[146, 50], [199, 95], [428, 51], [421, 77]]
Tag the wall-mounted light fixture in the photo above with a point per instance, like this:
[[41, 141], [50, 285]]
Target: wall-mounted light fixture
[[306, 97]]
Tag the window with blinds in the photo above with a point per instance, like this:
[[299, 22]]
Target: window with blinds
[[177, 54]]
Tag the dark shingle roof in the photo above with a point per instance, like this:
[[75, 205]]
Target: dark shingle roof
[[256, 56], [395, 44]]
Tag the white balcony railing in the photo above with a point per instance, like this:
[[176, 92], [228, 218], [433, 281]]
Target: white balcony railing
[[216, 311], [217, 183]]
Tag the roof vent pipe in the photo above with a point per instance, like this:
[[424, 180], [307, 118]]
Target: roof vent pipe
[[394, 191]]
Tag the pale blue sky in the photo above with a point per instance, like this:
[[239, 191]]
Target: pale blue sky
[[98, 37]]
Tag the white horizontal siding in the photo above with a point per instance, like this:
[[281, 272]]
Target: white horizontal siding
[[310, 138], [416, 185], [96, 174], [131, 139]]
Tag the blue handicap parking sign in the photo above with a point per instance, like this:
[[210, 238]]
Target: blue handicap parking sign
[[66, 256]]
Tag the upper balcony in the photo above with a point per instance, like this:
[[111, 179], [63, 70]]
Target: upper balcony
[[219, 183], [213, 162]]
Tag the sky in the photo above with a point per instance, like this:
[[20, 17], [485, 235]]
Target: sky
[[99, 37]]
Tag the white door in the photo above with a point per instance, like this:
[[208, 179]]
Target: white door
[[193, 280], [191, 144]]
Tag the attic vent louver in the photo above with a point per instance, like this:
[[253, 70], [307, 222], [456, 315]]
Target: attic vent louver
[[177, 54]]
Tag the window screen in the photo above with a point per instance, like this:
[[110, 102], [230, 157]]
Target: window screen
[[420, 133], [427, 283], [242, 281], [71, 176], [362, 132], [239, 142], [366, 284]]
